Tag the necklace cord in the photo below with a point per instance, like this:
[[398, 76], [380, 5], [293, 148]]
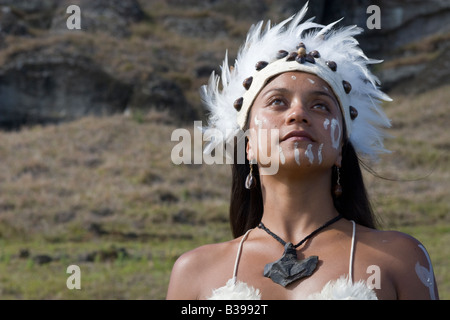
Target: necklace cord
[[326, 224]]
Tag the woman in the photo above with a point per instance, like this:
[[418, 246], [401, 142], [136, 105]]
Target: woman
[[307, 102]]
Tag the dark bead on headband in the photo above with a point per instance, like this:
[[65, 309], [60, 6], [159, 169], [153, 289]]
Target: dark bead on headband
[[315, 54], [300, 59], [291, 56], [309, 58], [353, 113], [332, 65], [238, 104], [347, 86], [281, 54], [247, 83], [261, 65], [301, 45]]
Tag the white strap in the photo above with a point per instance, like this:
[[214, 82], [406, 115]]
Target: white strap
[[350, 267], [238, 256]]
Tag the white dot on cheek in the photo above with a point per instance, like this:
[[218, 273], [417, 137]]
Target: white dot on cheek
[[293, 77]]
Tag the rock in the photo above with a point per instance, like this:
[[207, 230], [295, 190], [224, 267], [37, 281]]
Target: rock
[[110, 16], [110, 254], [11, 23], [30, 7], [44, 89], [60, 74], [164, 95], [201, 27], [41, 259], [168, 197], [35, 14], [239, 9], [184, 216], [24, 253]]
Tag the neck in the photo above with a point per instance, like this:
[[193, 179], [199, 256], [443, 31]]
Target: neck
[[294, 207]]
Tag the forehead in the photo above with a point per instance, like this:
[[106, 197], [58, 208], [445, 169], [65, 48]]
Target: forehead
[[297, 80]]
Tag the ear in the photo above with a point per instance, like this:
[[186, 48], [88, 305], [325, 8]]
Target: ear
[[249, 150]]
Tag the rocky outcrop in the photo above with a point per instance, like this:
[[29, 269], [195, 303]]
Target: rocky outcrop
[[161, 94], [110, 16], [12, 23], [133, 54], [414, 37], [42, 89], [414, 40]]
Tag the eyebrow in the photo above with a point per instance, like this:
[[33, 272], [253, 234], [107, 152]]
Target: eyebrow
[[315, 92], [280, 90], [326, 93]]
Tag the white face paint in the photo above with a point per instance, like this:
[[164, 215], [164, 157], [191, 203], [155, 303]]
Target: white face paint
[[426, 275], [296, 153], [311, 80], [326, 123], [319, 153], [335, 126], [309, 153], [282, 158], [259, 123], [293, 77]]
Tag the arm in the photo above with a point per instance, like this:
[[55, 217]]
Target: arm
[[413, 271], [183, 284]]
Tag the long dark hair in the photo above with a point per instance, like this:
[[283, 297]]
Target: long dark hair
[[246, 206]]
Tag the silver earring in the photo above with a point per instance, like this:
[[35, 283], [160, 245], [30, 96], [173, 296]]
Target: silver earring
[[250, 181]]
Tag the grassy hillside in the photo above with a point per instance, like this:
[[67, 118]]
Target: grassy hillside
[[102, 193]]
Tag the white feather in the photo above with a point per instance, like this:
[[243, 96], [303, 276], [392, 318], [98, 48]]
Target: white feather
[[235, 291], [336, 44], [340, 289], [344, 289]]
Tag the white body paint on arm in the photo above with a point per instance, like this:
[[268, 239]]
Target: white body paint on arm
[[426, 275]]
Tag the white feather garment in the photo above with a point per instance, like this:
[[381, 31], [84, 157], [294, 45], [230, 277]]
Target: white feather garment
[[344, 289], [235, 290], [340, 289], [338, 45]]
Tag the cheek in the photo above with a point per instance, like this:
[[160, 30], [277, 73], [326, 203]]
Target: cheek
[[263, 135], [329, 140], [332, 132], [335, 133]]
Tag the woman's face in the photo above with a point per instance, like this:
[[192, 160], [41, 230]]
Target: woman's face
[[305, 113]]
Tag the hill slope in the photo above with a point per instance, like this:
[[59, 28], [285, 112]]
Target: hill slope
[[103, 193]]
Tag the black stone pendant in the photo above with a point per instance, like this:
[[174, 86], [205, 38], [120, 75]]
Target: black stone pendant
[[288, 269]]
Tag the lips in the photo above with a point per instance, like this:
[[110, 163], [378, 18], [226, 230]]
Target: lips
[[298, 135]]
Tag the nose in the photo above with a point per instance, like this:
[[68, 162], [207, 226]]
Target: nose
[[297, 113]]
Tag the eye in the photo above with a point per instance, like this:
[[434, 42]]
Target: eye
[[277, 102], [321, 106]]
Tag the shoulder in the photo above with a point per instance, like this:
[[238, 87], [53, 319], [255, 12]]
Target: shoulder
[[399, 247], [199, 268], [199, 258], [406, 260]]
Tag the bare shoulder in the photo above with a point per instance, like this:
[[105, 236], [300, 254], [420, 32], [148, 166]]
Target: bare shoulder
[[201, 268], [399, 246], [405, 259]]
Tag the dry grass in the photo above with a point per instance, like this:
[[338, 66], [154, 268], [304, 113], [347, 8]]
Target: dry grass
[[100, 183]]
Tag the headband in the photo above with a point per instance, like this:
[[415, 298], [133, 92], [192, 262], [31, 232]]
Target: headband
[[325, 51]]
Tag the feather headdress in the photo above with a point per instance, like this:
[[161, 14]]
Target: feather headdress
[[330, 53]]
